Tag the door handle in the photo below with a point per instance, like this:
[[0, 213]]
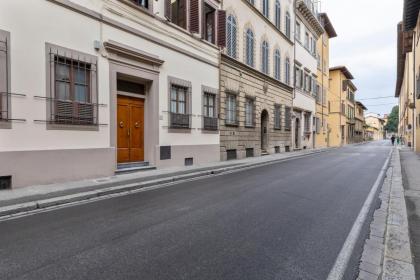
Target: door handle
[[128, 132]]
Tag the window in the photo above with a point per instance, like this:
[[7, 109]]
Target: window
[[264, 57], [209, 105], [288, 118], [72, 89], [249, 112], [277, 64], [231, 36], [250, 48], [287, 71], [142, 3], [4, 79], [231, 117], [298, 77], [251, 1], [277, 14], [277, 117], [307, 40], [177, 12], [318, 125], [307, 124], [210, 121], [288, 25], [209, 24], [265, 8], [297, 31], [178, 109]]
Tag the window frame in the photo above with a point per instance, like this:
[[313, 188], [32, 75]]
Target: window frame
[[249, 52], [70, 54], [176, 82], [232, 31], [228, 121], [265, 53], [277, 64], [249, 101], [214, 121], [287, 71], [277, 117], [5, 100], [277, 14]]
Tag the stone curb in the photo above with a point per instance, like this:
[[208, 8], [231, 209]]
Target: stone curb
[[16, 209], [387, 252]]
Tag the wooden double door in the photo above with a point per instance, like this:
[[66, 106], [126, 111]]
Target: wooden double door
[[130, 127]]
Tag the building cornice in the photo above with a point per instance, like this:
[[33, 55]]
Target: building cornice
[[309, 15]]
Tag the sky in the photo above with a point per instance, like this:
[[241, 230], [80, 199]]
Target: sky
[[367, 45]]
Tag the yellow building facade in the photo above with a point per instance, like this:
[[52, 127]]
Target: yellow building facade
[[359, 131], [322, 93], [341, 107]]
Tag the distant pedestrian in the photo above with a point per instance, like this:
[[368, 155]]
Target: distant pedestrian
[[393, 140], [398, 140]]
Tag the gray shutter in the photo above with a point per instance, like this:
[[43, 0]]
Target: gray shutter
[[221, 28]]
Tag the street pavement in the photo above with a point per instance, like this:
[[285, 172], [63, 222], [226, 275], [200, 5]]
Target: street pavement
[[283, 221]]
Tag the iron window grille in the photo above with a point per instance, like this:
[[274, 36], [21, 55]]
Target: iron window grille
[[4, 81], [277, 117], [73, 90], [249, 112], [288, 118], [210, 120], [231, 110], [179, 116]]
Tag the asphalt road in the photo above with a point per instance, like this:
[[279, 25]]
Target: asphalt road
[[284, 221]]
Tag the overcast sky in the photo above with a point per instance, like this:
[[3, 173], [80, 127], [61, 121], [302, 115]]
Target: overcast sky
[[366, 44]]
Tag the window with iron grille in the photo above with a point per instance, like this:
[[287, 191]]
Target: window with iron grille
[[277, 65], [231, 116], [278, 14], [288, 118], [249, 112], [72, 92], [264, 57], [277, 117], [4, 77], [179, 117], [209, 107], [231, 36], [249, 48]]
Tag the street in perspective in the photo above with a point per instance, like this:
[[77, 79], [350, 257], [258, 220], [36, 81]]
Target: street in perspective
[[201, 140]]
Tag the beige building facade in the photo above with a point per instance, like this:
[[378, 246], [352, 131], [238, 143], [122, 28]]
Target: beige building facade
[[377, 123], [256, 79], [341, 104], [322, 92]]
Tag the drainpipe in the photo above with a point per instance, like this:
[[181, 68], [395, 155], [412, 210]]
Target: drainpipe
[[414, 91]]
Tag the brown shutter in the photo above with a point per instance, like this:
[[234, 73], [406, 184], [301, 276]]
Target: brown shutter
[[168, 9], [221, 28], [194, 16]]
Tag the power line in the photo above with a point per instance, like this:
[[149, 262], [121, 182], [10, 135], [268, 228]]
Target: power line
[[382, 97], [381, 104]]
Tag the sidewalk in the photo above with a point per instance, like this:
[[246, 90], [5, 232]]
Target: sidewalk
[[387, 253], [35, 197], [410, 163]]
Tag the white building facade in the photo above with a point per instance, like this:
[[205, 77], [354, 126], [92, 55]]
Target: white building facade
[[92, 86], [308, 29]]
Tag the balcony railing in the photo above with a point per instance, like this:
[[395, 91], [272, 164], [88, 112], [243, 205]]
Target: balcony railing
[[210, 123], [179, 120]]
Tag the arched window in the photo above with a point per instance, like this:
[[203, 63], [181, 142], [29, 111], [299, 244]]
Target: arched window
[[288, 25], [287, 71], [277, 14], [231, 36], [249, 58], [264, 57], [265, 8], [277, 64]]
